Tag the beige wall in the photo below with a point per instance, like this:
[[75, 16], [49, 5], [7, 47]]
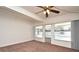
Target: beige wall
[[14, 28]]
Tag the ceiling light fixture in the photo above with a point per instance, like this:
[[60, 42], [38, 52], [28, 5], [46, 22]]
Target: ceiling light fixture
[[47, 9]]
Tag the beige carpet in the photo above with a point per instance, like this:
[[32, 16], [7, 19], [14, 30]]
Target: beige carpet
[[35, 46]]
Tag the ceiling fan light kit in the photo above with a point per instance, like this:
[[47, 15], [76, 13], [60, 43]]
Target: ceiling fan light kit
[[47, 12], [48, 9]]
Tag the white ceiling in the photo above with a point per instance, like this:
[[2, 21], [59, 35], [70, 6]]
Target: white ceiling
[[16, 14], [67, 13], [63, 10]]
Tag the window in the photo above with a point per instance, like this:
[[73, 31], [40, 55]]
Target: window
[[63, 31], [39, 31], [48, 31]]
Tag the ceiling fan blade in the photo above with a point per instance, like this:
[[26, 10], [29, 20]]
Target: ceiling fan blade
[[39, 12], [46, 14], [41, 7], [51, 6], [55, 11]]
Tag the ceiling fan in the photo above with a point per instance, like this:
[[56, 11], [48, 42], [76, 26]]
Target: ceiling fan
[[47, 10]]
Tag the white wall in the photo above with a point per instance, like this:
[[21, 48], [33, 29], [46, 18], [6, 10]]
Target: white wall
[[63, 18], [14, 28], [25, 12], [40, 39], [61, 43]]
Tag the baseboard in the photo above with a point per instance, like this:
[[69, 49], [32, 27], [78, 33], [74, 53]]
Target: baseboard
[[15, 43]]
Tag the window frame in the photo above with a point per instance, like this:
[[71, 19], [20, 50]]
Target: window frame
[[50, 29], [35, 31], [54, 32]]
